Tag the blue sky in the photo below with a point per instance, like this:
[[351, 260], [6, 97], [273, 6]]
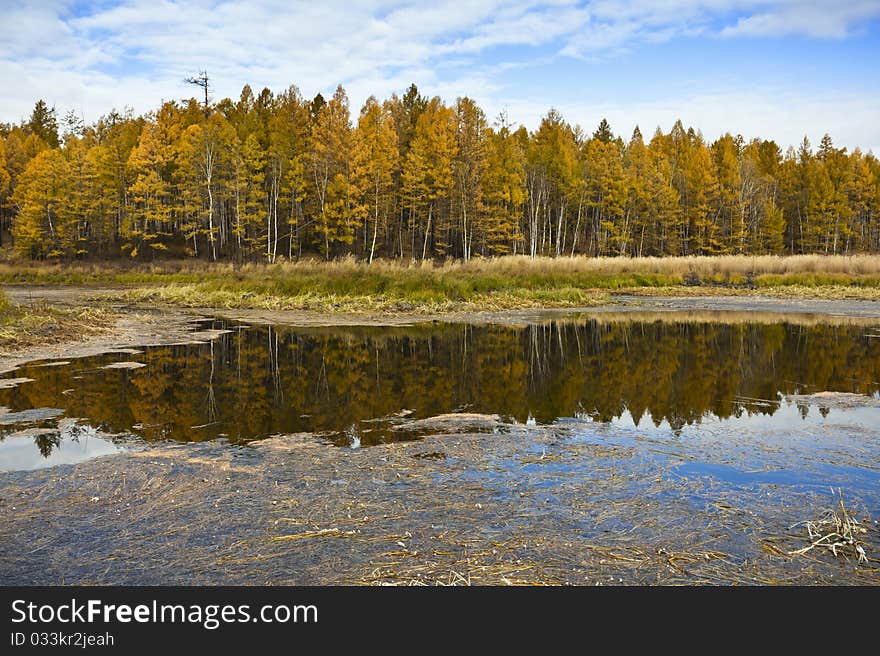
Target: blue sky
[[778, 69]]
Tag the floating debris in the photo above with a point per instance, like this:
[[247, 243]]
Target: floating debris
[[838, 532], [835, 400], [9, 383], [452, 422], [322, 533], [29, 416], [124, 365]]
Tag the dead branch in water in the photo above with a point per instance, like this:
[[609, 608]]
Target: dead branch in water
[[837, 531]]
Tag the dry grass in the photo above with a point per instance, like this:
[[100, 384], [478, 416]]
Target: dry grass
[[491, 284], [427, 302], [838, 532], [533, 508], [25, 326], [704, 267]]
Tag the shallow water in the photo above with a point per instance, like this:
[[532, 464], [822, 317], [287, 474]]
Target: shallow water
[[361, 386], [588, 451]]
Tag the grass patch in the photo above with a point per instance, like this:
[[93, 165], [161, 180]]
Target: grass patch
[[25, 326], [497, 283], [428, 300]]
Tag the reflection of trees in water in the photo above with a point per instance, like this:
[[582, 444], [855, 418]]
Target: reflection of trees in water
[[264, 380], [47, 442], [210, 398], [68, 432]]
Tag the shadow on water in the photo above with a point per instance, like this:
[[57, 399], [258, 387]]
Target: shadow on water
[[360, 386]]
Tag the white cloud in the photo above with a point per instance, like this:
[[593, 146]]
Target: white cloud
[[616, 24], [814, 18], [785, 117], [136, 52]]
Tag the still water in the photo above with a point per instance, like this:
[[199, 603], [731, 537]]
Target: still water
[[357, 386]]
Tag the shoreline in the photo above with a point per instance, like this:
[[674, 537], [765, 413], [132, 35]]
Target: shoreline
[[149, 324]]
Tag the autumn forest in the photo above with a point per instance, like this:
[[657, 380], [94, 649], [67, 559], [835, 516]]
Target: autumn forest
[[277, 176]]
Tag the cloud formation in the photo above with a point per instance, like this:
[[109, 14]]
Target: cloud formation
[[136, 52]]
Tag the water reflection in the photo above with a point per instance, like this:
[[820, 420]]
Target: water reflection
[[69, 442], [257, 381]]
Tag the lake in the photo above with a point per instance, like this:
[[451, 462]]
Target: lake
[[676, 449]]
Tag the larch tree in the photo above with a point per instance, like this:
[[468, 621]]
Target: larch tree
[[265, 176], [80, 209], [5, 184], [250, 205], [207, 150], [154, 163], [329, 163], [503, 191], [428, 175], [731, 208], [374, 163], [288, 153], [469, 167], [43, 123], [39, 197]]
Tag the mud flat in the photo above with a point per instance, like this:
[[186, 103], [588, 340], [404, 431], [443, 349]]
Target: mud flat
[[577, 504]]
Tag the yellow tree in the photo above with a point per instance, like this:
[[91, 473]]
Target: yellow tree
[[206, 150], [696, 182], [153, 165], [665, 201], [862, 191], [288, 175], [373, 165], [606, 194], [553, 178], [80, 208], [427, 177], [503, 191], [250, 205], [701, 204], [730, 210], [469, 167], [5, 181], [116, 135], [329, 163], [39, 195], [637, 169]]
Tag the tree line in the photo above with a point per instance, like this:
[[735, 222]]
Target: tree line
[[274, 176]]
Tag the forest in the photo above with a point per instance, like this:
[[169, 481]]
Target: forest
[[277, 176]]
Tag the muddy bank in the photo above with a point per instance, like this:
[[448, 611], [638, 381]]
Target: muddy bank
[[754, 303], [129, 331], [85, 295], [564, 504], [146, 325], [623, 307]]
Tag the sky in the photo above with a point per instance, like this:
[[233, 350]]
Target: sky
[[776, 69]]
